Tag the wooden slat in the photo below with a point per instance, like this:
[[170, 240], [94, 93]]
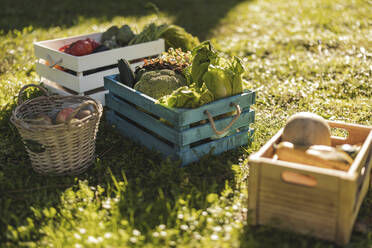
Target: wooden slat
[[91, 61], [217, 107], [139, 99], [292, 222], [205, 131], [324, 182], [94, 80], [254, 191], [305, 203], [216, 147], [65, 79], [138, 135], [142, 118]]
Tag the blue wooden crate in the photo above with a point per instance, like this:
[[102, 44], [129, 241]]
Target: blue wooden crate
[[183, 134]]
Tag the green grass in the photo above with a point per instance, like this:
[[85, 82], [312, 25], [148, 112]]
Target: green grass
[[300, 56]]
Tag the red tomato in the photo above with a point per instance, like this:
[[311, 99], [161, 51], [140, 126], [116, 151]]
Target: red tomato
[[94, 43], [80, 48]]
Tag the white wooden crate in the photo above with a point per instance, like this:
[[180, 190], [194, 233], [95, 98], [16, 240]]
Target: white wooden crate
[[82, 81]]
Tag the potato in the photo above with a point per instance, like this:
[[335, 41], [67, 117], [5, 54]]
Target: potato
[[83, 113]]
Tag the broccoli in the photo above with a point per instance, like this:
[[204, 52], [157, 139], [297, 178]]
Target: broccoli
[[159, 83]]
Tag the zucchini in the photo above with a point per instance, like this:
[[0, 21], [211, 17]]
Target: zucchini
[[126, 73]]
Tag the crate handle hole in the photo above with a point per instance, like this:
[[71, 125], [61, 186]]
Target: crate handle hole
[[340, 132], [299, 178]]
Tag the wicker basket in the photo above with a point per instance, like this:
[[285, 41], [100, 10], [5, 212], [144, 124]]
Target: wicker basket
[[66, 148]]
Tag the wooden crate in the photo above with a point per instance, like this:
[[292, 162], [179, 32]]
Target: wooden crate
[[306, 199], [85, 76], [182, 134]]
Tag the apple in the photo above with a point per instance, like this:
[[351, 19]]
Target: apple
[[63, 114]]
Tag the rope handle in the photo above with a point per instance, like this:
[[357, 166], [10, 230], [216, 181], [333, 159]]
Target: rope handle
[[81, 106], [53, 63], [210, 118], [20, 100]]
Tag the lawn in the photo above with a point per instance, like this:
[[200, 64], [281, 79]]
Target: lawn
[[300, 56]]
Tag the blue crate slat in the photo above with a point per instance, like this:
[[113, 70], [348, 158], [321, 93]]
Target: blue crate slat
[[216, 108], [187, 155], [139, 99], [217, 146], [140, 136], [142, 118], [205, 131]]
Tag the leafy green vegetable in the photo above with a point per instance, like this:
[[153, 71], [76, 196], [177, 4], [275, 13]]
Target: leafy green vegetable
[[173, 35], [159, 83], [177, 37], [124, 35], [187, 97], [222, 77]]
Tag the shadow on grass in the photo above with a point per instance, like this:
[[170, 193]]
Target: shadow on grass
[[197, 17], [154, 186]]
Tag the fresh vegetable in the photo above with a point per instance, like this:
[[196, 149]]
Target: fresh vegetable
[[210, 77], [316, 155], [124, 35], [173, 35], [187, 97], [127, 76], [110, 33], [63, 115], [173, 59], [159, 83], [177, 37], [83, 113], [306, 129], [80, 47], [149, 33], [222, 77]]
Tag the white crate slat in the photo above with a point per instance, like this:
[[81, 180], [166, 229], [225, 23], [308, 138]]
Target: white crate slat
[[45, 50]]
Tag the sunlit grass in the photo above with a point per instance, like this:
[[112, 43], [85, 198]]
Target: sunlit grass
[[300, 56]]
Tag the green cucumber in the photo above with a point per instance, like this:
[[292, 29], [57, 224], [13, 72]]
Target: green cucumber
[[126, 73]]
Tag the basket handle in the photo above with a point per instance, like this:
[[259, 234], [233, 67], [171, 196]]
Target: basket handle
[[20, 100], [210, 118], [82, 105]]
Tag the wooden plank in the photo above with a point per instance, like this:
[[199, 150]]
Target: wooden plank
[[215, 147], [142, 118], [139, 99], [296, 223], [94, 80], [324, 182], [276, 186], [65, 79], [218, 107], [205, 131], [287, 213], [109, 57], [304, 202], [139, 135], [254, 192]]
